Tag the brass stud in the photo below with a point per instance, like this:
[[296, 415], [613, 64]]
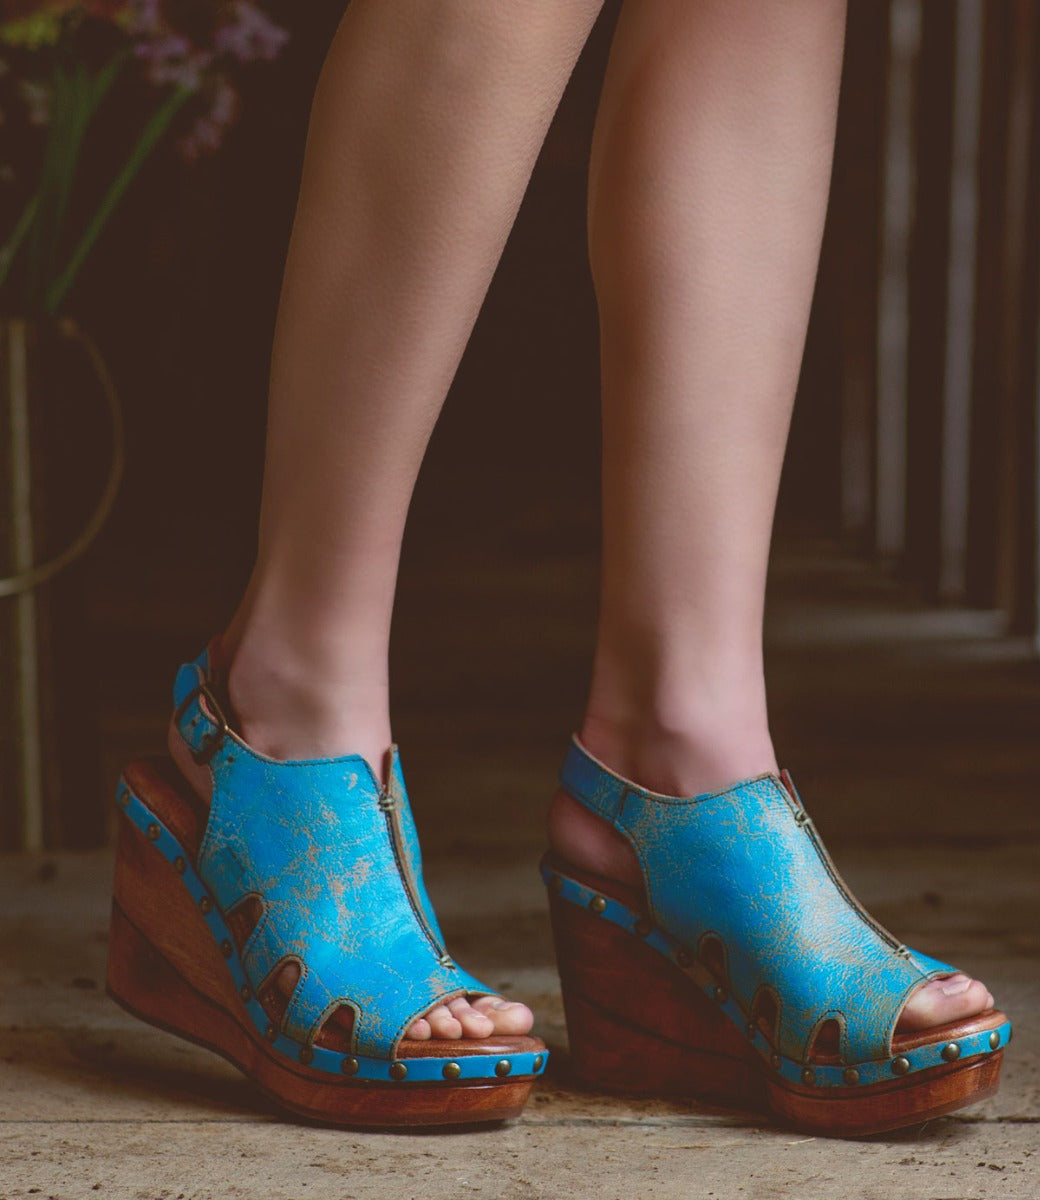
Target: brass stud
[[245, 993], [398, 1070], [306, 1054], [226, 948], [994, 1039], [539, 1061], [684, 958], [206, 904], [808, 1076], [597, 905], [350, 1066], [644, 926], [124, 799], [503, 1067], [179, 865], [900, 1065], [851, 1076], [750, 1030], [721, 995], [152, 832], [555, 884], [451, 1070], [950, 1052], [774, 1061], [271, 1033]]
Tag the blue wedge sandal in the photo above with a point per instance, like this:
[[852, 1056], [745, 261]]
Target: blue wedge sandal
[[286, 926], [745, 971]]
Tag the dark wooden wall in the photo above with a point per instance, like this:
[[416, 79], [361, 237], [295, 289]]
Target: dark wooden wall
[[932, 263]]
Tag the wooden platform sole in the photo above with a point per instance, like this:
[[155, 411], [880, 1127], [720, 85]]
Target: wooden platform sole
[[638, 1025], [164, 967]]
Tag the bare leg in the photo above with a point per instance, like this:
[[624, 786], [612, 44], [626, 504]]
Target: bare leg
[[708, 190], [428, 117]]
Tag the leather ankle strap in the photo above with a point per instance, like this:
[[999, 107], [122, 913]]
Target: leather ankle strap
[[594, 784]]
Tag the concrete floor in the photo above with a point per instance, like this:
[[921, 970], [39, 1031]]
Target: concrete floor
[[912, 736]]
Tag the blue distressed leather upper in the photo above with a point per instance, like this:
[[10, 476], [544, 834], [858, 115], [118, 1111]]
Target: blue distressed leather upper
[[745, 866], [312, 840]]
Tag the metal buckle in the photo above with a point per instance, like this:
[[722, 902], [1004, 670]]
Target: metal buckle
[[211, 742]]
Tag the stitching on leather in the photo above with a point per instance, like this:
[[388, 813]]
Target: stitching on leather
[[750, 1014], [290, 1008], [327, 1014], [727, 979], [831, 1014], [255, 934], [315, 1027]]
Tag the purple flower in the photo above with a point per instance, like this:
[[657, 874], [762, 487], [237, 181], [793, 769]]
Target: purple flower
[[208, 131], [250, 35], [171, 58]]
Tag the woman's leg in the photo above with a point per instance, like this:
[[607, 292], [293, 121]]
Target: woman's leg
[[428, 117], [708, 188]]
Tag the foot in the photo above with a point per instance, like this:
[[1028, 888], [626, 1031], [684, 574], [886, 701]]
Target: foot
[[589, 843], [255, 717]]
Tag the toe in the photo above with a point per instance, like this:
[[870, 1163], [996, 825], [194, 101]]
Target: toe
[[940, 1001], [420, 1030], [443, 1023], [474, 1024], [508, 1016]]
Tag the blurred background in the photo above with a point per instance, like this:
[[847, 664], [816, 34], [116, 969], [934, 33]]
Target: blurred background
[[911, 487]]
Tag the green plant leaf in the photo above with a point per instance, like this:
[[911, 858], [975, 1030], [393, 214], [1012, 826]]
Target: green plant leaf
[[75, 97], [150, 136]]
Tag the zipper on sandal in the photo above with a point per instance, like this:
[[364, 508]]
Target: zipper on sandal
[[390, 809]]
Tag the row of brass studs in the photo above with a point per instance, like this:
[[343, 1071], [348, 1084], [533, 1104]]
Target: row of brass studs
[[399, 1070], [153, 832], [900, 1066]]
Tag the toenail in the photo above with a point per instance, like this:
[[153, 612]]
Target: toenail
[[500, 1004], [956, 987]]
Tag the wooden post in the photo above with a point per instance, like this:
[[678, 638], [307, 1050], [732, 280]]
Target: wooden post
[[22, 702], [955, 432], [904, 45], [928, 290]]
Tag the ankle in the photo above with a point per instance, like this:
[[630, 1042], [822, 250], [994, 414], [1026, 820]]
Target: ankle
[[703, 753], [287, 705]]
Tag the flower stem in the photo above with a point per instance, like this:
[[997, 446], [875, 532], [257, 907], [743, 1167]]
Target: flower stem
[[75, 97], [151, 134]]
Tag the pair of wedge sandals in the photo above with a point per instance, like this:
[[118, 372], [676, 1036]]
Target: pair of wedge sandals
[[285, 925]]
